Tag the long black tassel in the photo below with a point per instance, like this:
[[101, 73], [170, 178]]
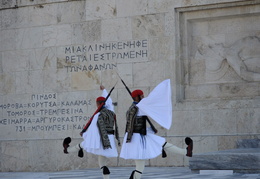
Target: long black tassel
[[80, 153], [164, 155], [132, 175], [105, 170]]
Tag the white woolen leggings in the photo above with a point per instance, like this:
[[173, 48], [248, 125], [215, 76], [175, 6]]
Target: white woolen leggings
[[174, 149], [75, 148], [102, 161], [139, 166]]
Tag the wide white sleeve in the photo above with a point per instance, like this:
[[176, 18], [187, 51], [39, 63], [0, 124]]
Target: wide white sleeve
[[109, 103], [158, 105]]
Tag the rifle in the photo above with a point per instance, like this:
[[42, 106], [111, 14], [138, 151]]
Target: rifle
[[98, 109], [148, 120]]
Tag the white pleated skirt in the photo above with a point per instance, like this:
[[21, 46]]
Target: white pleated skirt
[[110, 152], [142, 147], [92, 142]]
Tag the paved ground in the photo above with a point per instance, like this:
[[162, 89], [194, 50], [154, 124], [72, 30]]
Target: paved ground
[[124, 173]]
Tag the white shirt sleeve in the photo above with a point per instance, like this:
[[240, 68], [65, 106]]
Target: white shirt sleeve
[[109, 103], [158, 105]]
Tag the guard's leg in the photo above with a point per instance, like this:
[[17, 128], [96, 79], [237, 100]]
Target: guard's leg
[[168, 147], [102, 162], [75, 148], [67, 149], [139, 168]]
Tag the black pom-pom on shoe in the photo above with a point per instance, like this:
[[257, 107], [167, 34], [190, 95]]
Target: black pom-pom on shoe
[[188, 140]]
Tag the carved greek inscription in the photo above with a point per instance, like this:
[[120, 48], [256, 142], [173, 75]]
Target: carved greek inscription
[[103, 56], [45, 113]]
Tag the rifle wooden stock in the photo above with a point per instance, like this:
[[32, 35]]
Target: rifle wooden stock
[[98, 109], [148, 120]]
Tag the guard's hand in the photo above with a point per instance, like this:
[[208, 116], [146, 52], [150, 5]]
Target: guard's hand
[[102, 87], [81, 133]]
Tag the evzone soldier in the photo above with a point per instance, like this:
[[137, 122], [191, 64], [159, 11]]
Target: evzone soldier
[[140, 143], [99, 136]]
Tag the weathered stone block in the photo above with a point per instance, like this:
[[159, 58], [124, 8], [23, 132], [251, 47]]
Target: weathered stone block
[[98, 9], [248, 143], [116, 29], [239, 160]]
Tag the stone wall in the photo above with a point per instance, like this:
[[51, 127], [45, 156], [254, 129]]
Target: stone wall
[[55, 54]]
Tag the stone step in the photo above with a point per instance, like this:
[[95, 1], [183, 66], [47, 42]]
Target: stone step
[[241, 160], [248, 143]]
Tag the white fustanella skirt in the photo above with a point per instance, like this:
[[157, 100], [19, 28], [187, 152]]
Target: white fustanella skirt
[[142, 146], [92, 142]]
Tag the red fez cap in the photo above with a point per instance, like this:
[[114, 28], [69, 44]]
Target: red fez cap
[[100, 99], [136, 93]]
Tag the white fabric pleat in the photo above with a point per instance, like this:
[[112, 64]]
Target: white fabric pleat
[[92, 142], [142, 146], [158, 105]]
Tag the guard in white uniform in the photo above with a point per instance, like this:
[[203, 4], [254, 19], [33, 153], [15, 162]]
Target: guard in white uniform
[[99, 138], [140, 143]]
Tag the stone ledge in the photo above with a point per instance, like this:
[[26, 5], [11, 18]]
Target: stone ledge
[[243, 160]]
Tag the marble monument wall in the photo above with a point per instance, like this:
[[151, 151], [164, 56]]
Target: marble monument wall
[[54, 55]]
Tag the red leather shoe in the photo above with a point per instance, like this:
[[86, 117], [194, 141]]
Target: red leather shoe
[[66, 142], [189, 142]]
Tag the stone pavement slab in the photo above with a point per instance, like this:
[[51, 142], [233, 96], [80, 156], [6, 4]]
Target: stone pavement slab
[[124, 173]]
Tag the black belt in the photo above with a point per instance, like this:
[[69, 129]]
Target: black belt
[[140, 131], [111, 132]]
